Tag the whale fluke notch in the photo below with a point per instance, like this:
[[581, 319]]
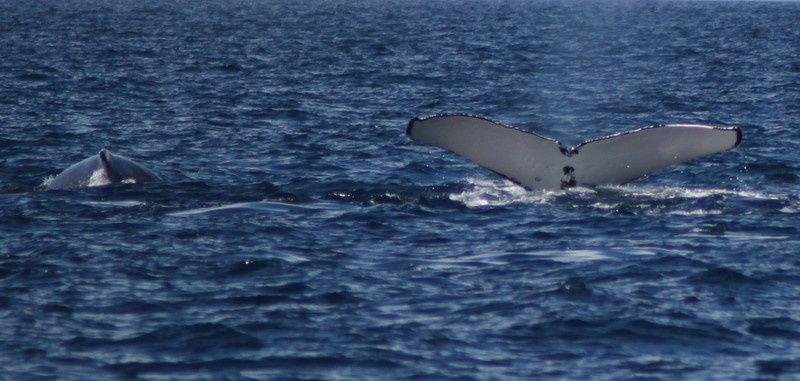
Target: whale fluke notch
[[538, 163], [104, 168]]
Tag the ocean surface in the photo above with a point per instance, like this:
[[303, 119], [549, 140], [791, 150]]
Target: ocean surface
[[299, 234]]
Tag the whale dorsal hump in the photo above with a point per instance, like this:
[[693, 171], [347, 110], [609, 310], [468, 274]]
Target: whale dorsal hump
[[103, 168], [120, 168]]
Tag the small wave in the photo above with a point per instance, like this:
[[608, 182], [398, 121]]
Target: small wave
[[695, 212], [136, 307], [196, 338], [121, 203], [689, 193], [366, 196], [33, 77], [752, 236], [721, 276], [655, 364], [605, 206], [779, 328], [570, 256], [778, 366], [243, 207], [793, 208], [573, 287], [249, 266], [620, 328]]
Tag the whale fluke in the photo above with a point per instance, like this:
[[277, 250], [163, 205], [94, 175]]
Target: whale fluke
[[540, 163], [102, 169]]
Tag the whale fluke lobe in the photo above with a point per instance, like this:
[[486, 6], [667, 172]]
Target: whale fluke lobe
[[618, 159], [525, 158], [538, 163], [102, 169]]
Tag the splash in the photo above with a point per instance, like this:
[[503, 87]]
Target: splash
[[46, 182], [485, 193]]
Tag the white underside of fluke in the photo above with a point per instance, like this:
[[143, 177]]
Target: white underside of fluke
[[540, 163]]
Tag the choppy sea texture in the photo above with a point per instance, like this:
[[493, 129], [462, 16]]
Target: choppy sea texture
[[300, 235]]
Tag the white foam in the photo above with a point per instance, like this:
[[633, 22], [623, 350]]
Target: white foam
[[603, 206], [696, 212], [747, 236], [585, 255], [485, 193], [678, 192], [123, 203], [571, 256], [46, 182], [491, 193]]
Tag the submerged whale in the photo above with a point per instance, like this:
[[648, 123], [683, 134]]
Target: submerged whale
[[102, 169], [540, 163]]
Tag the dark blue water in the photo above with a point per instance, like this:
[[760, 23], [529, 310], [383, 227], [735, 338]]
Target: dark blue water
[[345, 251]]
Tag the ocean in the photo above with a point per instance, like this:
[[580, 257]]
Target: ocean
[[299, 234]]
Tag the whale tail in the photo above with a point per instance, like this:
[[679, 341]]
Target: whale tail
[[540, 163], [102, 169]]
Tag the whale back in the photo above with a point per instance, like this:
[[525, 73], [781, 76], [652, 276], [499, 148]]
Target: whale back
[[79, 174], [122, 169], [103, 168]]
